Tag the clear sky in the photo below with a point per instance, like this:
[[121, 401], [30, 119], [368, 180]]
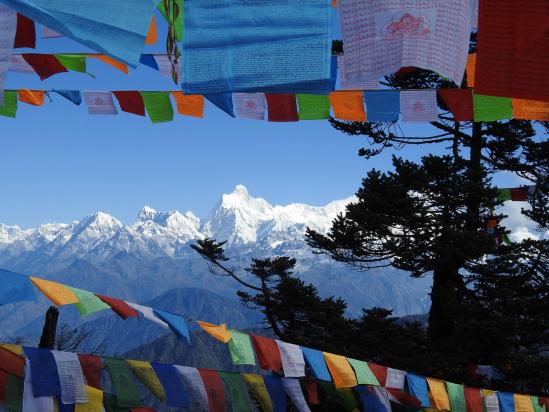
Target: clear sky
[[59, 164]]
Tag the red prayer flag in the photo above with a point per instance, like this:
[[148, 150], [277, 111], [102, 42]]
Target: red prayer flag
[[131, 102], [267, 353], [519, 194], [312, 392], [3, 383], [12, 363], [459, 102], [473, 399], [45, 65], [214, 389], [403, 398], [25, 36], [92, 366], [120, 307], [380, 372], [513, 49], [282, 107]]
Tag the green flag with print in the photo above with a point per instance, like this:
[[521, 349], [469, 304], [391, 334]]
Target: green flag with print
[[240, 348]]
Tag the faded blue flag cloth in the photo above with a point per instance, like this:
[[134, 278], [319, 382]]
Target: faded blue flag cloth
[[506, 402], [370, 400], [276, 392], [149, 60], [281, 46], [175, 322], [71, 95], [223, 101], [315, 361], [417, 386], [117, 28], [15, 287], [176, 395], [382, 105], [44, 375]]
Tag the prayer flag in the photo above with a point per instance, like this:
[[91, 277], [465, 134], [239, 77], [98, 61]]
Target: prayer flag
[[158, 105], [175, 322], [120, 307], [124, 387], [56, 292], [71, 378], [291, 355], [313, 106], [259, 391], [439, 394], [32, 97], [382, 105], [370, 400], [219, 332], [312, 392], [14, 393], [88, 302], [148, 60], [152, 34], [9, 108], [193, 382], [19, 65], [74, 62], [240, 348], [240, 47], [189, 104], [491, 108], [530, 109], [25, 35], [457, 397], [504, 194], [380, 37], [166, 67], [31, 402], [47, 33], [100, 103], [395, 378], [45, 65], [214, 390], [512, 57], [145, 373], [45, 378], [267, 353], [237, 391], [294, 392], [364, 375], [348, 105], [491, 402], [13, 286], [282, 107], [316, 362], [470, 69], [222, 101], [73, 96], [11, 362], [92, 367], [506, 402], [250, 105], [95, 401], [473, 399], [130, 102], [459, 102], [537, 403], [419, 105], [110, 61], [276, 392], [523, 403], [8, 29], [149, 313], [417, 385], [355, 83], [176, 395], [341, 371], [380, 372], [17, 349]]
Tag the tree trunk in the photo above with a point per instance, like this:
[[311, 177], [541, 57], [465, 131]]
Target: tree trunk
[[444, 305], [47, 340]]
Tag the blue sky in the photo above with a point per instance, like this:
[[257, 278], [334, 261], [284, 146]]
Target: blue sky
[[59, 164]]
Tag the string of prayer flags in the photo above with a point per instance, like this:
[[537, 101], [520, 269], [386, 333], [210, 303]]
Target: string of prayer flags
[[100, 103], [417, 385], [250, 105], [281, 107], [240, 348], [158, 106], [457, 397], [25, 35], [45, 377], [223, 101], [130, 102], [30, 401], [473, 399], [120, 307], [506, 402], [176, 395], [145, 373], [530, 109], [439, 394], [95, 401], [294, 392], [9, 107], [258, 390], [275, 389], [237, 391], [8, 28], [71, 377], [15, 287], [459, 102], [280, 47], [189, 104], [348, 105], [214, 390], [315, 360], [219, 332], [491, 108], [73, 96], [56, 292], [341, 371], [87, 302], [363, 373], [419, 105], [291, 355], [32, 97], [193, 381], [396, 378], [92, 367], [176, 323], [111, 62], [124, 387], [382, 106], [267, 353], [44, 65], [313, 106], [74, 62]]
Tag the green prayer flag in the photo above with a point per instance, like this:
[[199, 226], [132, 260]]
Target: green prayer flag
[[537, 406], [9, 109], [158, 105], [313, 106], [238, 392], [240, 347], [74, 62], [88, 302], [456, 396], [178, 22], [491, 108], [14, 394], [111, 404], [364, 375], [124, 387], [504, 194]]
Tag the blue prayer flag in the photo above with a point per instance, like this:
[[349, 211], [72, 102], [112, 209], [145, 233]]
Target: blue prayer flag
[[176, 395], [223, 101], [370, 400], [72, 95], [149, 60], [61, 407], [382, 105], [15, 287], [506, 402], [276, 392], [417, 386], [44, 375], [281, 46], [315, 360], [175, 322]]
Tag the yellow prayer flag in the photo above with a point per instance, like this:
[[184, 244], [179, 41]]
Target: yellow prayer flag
[[152, 35], [348, 105], [18, 350], [439, 394], [470, 69], [189, 104], [258, 388], [95, 401], [109, 60], [530, 109], [56, 292], [523, 403], [219, 332], [146, 374], [341, 370], [34, 97]]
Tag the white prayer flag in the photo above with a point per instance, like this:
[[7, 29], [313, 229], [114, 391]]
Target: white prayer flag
[[395, 378], [148, 313], [418, 105], [30, 403], [100, 103], [47, 33], [194, 383], [491, 402], [250, 105], [292, 388], [19, 65], [71, 378], [8, 27], [355, 83], [292, 359], [165, 65]]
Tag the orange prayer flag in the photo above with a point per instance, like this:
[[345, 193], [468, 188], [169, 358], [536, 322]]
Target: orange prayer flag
[[523, 403], [470, 69], [189, 104], [34, 97], [109, 60], [219, 332], [152, 35], [56, 292], [439, 394], [341, 370], [348, 105], [334, 3], [530, 109]]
